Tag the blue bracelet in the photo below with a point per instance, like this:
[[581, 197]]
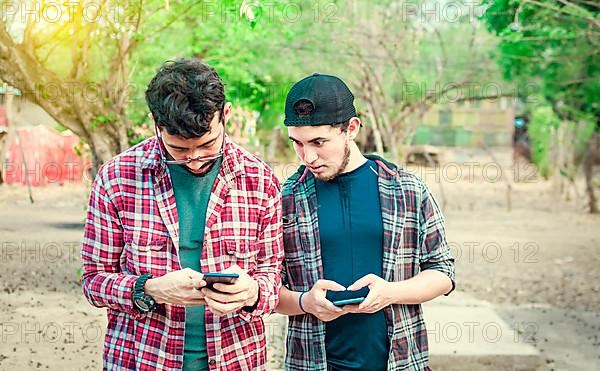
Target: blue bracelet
[[300, 301]]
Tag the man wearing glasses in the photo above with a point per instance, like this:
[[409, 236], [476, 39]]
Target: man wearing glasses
[[185, 202]]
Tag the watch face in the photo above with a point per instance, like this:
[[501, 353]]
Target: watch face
[[141, 304]]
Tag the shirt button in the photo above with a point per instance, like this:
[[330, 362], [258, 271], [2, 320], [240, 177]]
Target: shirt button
[[212, 363]]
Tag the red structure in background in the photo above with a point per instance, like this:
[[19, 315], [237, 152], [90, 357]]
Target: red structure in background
[[3, 119], [43, 156]]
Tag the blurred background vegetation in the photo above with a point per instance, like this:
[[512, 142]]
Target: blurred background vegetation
[[406, 61]]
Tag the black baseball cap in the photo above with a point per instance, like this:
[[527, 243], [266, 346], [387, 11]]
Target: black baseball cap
[[333, 102]]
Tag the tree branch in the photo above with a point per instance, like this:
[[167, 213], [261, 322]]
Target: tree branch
[[22, 71], [592, 20], [183, 13]]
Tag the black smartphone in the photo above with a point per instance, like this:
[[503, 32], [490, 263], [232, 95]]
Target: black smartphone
[[219, 277], [341, 303]]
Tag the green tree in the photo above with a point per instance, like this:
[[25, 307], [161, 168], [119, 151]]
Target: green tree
[[403, 57], [74, 62], [556, 45], [102, 55]]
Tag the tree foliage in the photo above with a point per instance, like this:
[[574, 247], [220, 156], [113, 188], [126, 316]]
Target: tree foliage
[[555, 42], [403, 57], [101, 55]]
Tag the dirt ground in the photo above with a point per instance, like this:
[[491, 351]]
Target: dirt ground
[[543, 253]]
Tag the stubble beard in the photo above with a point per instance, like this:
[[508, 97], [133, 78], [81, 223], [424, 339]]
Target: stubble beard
[[340, 169]]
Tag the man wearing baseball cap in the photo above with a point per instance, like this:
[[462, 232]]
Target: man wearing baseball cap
[[354, 226]]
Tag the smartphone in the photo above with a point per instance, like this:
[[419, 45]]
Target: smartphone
[[219, 277], [340, 303]]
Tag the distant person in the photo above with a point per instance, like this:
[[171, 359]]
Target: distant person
[[521, 146], [359, 223], [163, 213]]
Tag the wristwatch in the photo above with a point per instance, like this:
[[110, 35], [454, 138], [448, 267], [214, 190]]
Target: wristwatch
[[142, 301]]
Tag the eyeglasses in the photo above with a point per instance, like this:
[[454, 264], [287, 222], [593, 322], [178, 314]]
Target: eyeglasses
[[188, 160]]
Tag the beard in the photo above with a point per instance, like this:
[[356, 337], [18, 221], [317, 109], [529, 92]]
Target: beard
[[340, 169], [205, 169]]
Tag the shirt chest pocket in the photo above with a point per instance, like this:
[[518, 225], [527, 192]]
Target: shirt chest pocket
[[154, 257], [241, 252]]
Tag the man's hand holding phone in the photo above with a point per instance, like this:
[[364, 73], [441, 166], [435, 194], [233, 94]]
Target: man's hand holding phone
[[177, 287], [380, 294], [225, 298], [315, 302]]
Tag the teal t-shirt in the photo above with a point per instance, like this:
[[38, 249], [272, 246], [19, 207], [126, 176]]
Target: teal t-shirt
[[351, 236], [192, 193]]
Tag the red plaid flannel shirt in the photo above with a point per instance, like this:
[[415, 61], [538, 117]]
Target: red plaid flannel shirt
[[132, 228]]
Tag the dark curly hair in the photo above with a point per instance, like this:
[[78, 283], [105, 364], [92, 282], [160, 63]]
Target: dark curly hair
[[183, 97]]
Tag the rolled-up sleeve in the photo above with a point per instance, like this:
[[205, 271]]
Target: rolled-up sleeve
[[434, 252]]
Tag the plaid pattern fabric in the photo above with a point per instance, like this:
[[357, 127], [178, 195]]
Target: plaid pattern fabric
[[132, 228], [413, 241]]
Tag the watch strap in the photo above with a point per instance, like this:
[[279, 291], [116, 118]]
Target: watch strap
[[140, 295]]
